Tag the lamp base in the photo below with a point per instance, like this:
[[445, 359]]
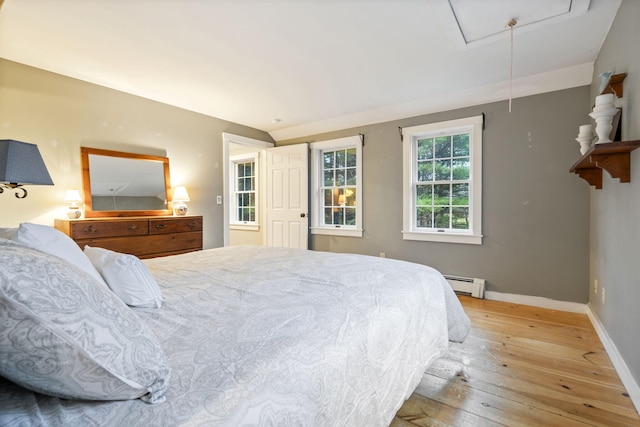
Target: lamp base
[[74, 213], [180, 209]]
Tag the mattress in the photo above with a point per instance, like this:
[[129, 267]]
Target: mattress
[[276, 337]]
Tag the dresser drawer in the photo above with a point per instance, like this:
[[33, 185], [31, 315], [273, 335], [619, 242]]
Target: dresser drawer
[[175, 225], [98, 229], [148, 246], [144, 237]]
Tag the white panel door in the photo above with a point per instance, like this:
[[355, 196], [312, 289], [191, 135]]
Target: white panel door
[[287, 198]]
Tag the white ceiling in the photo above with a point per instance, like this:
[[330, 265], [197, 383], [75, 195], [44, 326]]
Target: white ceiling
[[318, 65]]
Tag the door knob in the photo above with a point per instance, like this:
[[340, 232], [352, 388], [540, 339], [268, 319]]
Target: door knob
[[302, 215]]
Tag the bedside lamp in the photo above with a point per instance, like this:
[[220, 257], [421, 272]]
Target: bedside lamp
[[180, 196], [73, 198]]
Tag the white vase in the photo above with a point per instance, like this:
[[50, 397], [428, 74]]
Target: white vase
[[585, 130], [585, 144], [603, 120], [603, 113], [585, 138], [605, 100]]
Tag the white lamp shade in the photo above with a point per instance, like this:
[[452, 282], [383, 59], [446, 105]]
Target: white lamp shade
[[180, 194], [72, 196]]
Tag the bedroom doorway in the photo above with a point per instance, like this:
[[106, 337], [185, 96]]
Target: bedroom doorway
[[243, 149], [281, 192]]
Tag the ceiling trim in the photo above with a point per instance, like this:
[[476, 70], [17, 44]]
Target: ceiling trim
[[565, 78]]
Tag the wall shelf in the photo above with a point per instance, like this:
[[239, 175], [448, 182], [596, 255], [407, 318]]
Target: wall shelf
[[614, 157], [615, 85]]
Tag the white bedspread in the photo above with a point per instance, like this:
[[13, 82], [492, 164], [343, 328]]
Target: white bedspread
[[278, 337]]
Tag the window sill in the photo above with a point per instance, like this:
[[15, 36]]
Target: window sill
[[245, 227], [337, 231], [470, 239]]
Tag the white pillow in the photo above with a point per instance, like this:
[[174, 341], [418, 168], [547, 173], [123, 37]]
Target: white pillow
[[66, 335], [7, 233], [55, 242], [127, 277]]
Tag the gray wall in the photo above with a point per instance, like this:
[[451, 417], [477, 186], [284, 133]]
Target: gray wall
[[60, 114], [535, 213], [615, 210]]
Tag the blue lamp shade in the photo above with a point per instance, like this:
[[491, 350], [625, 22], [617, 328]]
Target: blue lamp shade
[[20, 164]]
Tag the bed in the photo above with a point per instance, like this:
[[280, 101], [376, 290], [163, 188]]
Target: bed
[[243, 335]]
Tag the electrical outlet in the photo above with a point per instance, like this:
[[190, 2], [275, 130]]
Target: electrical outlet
[[219, 200], [383, 255], [595, 286], [603, 295]]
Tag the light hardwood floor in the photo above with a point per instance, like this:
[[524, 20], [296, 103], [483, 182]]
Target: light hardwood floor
[[521, 366]]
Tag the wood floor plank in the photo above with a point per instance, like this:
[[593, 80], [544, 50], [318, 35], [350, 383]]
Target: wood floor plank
[[559, 334], [423, 412], [521, 366], [577, 401], [494, 358], [551, 347], [495, 407], [506, 344], [527, 311]]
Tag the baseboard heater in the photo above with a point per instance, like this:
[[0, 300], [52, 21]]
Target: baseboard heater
[[467, 285]]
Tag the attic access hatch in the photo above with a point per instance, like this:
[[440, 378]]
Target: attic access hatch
[[474, 22]]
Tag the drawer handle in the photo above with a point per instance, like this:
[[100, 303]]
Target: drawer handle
[[90, 229], [161, 226], [134, 227]]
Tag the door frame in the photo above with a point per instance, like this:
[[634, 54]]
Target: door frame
[[227, 139]]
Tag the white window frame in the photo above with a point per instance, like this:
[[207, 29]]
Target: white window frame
[[473, 125], [317, 199], [234, 223]]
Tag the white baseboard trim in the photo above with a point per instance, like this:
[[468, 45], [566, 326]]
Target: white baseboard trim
[[612, 351], [573, 307], [616, 359]]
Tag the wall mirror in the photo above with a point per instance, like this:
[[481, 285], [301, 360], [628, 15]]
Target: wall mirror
[[116, 183]]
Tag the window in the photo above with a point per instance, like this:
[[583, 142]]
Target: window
[[244, 190], [336, 186], [443, 181]]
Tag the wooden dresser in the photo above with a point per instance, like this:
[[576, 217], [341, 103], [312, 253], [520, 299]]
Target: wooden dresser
[[144, 237]]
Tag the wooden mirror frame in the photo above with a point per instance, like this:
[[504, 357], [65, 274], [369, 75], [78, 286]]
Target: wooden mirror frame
[[86, 184]]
